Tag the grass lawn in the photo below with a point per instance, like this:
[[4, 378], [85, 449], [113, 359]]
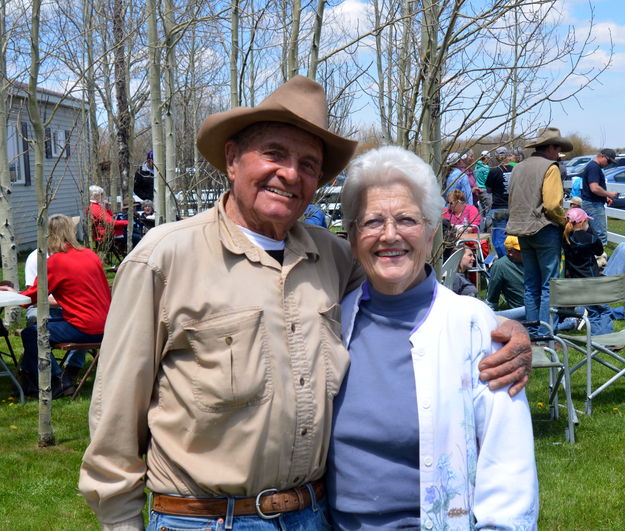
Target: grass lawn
[[581, 485]]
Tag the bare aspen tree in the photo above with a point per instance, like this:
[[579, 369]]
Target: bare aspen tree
[[121, 93], [234, 53], [8, 248], [156, 111], [293, 52], [169, 108], [46, 432], [316, 40]]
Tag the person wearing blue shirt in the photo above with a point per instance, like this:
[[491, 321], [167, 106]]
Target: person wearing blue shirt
[[594, 193]]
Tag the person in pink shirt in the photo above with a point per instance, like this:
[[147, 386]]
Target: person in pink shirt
[[458, 212]]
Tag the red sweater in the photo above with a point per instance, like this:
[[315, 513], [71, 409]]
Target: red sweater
[[78, 283]]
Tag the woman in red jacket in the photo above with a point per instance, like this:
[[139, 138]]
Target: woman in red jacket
[[77, 281], [102, 216]]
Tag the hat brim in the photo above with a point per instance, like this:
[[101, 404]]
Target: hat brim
[[218, 128], [565, 145]]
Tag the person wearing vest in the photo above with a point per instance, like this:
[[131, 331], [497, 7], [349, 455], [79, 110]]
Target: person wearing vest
[[537, 218]]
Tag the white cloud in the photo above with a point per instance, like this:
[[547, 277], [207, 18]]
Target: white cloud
[[352, 14], [600, 58], [606, 32]]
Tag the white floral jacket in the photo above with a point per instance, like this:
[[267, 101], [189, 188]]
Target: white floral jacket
[[476, 447]]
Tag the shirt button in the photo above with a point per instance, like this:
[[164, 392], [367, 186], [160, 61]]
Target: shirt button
[[301, 381], [304, 432], [228, 340], [429, 524], [426, 404], [428, 461]]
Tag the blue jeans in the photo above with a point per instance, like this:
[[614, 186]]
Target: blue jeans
[[596, 211], [616, 262], [541, 262], [60, 331], [314, 518], [498, 234]]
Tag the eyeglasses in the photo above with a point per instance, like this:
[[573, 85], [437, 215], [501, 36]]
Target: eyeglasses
[[370, 225]]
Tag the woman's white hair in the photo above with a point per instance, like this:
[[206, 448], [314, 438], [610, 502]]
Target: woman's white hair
[[385, 166], [94, 190]]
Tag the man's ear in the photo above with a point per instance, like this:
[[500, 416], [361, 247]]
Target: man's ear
[[231, 152]]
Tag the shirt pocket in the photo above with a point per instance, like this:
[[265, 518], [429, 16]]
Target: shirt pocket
[[232, 364], [335, 355]]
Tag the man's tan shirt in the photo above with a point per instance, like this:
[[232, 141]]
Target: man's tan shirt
[[217, 363]]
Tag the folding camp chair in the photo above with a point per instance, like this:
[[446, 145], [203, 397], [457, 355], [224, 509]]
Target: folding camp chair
[[568, 292], [4, 368], [449, 269], [545, 356]]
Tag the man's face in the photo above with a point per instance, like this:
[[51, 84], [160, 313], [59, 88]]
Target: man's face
[[552, 152], [515, 256], [149, 163], [274, 175], [603, 161]]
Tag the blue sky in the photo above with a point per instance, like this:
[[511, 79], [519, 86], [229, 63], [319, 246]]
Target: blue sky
[[599, 114]]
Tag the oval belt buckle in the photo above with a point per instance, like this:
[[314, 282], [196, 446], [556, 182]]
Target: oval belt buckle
[[259, 510]]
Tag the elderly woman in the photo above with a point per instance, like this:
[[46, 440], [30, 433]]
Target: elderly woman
[[418, 440], [102, 216]]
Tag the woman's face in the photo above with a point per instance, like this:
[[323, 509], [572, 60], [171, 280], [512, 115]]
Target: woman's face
[[148, 210], [468, 260], [392, 240], [457, 206]]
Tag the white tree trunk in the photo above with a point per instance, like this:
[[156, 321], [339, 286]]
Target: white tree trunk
[[8, 249], [46, 433]]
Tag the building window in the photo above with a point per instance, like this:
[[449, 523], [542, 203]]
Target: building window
[[16, 155], [58, 142]]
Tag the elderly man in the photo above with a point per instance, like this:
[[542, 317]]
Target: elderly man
[[537, 218], [222, 353], [594, 193]]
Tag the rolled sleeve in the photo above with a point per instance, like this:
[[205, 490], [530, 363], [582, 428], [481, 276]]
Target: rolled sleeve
[[112, 476], [553, 194]]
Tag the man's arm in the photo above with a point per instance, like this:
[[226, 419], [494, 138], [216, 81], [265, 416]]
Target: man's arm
[[112, 476], [512, 363], [597, 189], [553, 194]]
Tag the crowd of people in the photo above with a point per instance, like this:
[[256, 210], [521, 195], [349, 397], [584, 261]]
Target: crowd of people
[[250, 358], [533, 237]]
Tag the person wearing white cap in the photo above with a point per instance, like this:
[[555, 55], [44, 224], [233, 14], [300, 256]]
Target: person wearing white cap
[[457, 179]]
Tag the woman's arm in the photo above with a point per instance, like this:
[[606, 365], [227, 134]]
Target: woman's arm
[[506, 482]]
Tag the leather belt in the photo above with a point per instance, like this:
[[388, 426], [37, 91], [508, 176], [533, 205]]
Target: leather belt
[[268, 504]]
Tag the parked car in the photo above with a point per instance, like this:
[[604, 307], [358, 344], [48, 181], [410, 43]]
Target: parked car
[[576, 165], [615, 174]]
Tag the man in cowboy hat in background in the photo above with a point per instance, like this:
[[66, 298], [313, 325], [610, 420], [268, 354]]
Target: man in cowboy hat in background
[[537, 218], [594, 193], [222, 353]]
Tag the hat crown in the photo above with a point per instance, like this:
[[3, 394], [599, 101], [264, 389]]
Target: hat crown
[[551, 135], [303, 97]]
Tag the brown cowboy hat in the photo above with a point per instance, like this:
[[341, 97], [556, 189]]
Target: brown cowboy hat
[[300, 102], [551, 135]]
